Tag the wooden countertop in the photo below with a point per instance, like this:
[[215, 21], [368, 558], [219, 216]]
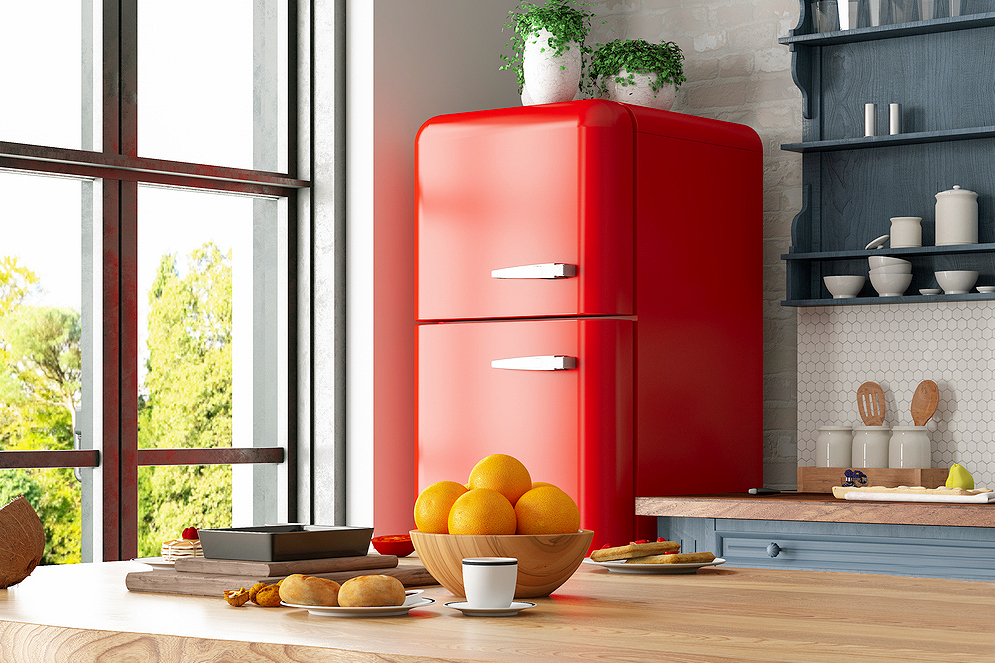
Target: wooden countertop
[[816, 507], [84, 613]]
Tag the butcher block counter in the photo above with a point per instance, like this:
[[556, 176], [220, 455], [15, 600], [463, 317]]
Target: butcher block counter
[[816, 507], [84, 613]]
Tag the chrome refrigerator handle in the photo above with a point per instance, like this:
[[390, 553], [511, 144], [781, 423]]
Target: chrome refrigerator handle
[[546, 270], [539, 363]]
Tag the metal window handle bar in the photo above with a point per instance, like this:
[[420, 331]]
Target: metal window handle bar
[[546, 270], [538, 363]]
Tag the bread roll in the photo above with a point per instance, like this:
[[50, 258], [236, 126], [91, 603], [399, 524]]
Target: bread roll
[[374, 590], [300, 589]]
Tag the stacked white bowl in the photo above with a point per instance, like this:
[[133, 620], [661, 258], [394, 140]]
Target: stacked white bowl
[[890, 276]]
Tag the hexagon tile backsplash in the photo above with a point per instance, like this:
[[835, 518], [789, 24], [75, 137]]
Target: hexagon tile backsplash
[[898, 346]]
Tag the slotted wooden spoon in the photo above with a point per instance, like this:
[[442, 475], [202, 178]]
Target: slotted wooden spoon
[[924, 402], [870, 402]]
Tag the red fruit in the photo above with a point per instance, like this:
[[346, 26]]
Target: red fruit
[[190, 533]]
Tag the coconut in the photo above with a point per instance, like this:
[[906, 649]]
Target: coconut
[[22, 541]]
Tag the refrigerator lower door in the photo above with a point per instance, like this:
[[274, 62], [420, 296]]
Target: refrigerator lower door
[[556, 394]]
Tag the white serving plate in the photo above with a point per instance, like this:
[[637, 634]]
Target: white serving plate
[[155, 562], [619, 566], [413, 599]]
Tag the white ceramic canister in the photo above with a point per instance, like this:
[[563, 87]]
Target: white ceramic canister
[[834, 446], [906, 231], [870, 446], [909, 447], [956, 217]]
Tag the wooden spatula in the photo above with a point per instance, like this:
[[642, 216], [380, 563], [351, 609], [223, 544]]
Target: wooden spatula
[[924, 402], [870, 402]]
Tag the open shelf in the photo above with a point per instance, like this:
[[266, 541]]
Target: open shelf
[[912, 138], [904, 299], [953, 249], [890, 31]]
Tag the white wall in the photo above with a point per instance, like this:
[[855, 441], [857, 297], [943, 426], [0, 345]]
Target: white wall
[[409, 61]]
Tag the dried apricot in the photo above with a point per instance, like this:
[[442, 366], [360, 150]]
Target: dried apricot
[[236, 597]]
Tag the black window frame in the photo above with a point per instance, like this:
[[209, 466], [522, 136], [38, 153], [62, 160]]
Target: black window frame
[[121, 170]]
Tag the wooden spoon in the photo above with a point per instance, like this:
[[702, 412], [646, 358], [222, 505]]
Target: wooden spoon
[[870, 402], [924, 402]]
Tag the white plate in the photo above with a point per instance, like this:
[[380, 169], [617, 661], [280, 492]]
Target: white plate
[[986, 288], [470, 611], [413, 599], [877, 243], [929, 291], [619, 566], [155, 562]]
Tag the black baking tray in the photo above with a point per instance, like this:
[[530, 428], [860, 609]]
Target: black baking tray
[[284, 543]]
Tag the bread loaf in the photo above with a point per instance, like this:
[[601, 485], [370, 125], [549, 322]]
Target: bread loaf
[[372, 590], [301, 589], [678, 558]]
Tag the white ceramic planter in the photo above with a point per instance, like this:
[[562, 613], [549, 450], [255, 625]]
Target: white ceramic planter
[[640, 93], [549, 79]]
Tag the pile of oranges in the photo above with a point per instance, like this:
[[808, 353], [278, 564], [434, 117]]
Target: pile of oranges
[[499, 498]]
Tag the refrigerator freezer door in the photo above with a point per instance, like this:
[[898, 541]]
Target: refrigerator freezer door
[[525, 212], [569, 421]]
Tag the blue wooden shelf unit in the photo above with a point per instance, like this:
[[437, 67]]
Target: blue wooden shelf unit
[[852, 185]]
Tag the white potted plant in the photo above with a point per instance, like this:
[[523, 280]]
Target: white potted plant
[[548, 49], [637, 72]]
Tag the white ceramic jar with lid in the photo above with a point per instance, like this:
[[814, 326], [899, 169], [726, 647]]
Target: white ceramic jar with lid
[[909, 447], [956, 217], [834, 446], [870, 446]]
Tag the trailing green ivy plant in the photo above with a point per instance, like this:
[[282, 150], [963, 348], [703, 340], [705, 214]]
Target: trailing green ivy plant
[[566, 20], [666, 60]]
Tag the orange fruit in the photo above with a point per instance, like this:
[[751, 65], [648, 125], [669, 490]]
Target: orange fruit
[[503, 473], [482, 511], [536, 484], [433, 505], [547, 510]]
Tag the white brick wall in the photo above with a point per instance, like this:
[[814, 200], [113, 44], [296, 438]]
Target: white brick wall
[[738, 72]]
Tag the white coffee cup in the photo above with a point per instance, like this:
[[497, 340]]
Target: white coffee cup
[[489, 582]]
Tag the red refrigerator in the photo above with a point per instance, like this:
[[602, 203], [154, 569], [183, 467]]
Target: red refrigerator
[[589, 301]]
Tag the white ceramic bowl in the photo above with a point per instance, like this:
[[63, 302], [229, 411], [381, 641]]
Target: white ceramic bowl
[[986, 288], [893, 269], [881, 261], [844, 287], [890, 285], [956, 282]]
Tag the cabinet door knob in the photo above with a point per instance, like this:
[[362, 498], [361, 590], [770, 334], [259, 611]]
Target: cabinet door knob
[[546, 270], [773, 549]]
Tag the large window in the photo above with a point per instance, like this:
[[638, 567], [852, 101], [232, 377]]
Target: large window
[[148, 268]]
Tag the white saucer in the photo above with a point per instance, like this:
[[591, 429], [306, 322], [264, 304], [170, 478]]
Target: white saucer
[[986, 288], [470, 611], [929, 291]]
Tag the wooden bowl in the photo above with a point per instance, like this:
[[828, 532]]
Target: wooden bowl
[[545, 561]]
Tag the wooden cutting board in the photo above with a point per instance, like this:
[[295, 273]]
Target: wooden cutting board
[[235, 567], [209, 584]]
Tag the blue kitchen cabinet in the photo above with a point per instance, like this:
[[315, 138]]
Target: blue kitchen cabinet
[[958, 553]]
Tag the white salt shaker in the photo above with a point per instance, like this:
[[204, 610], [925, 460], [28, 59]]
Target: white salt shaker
[[834, 446], [909, 447], [870, 446]]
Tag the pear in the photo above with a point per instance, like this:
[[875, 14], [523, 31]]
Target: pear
[[959, 478]]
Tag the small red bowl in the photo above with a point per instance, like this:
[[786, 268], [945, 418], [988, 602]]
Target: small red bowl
[[395, 544]]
